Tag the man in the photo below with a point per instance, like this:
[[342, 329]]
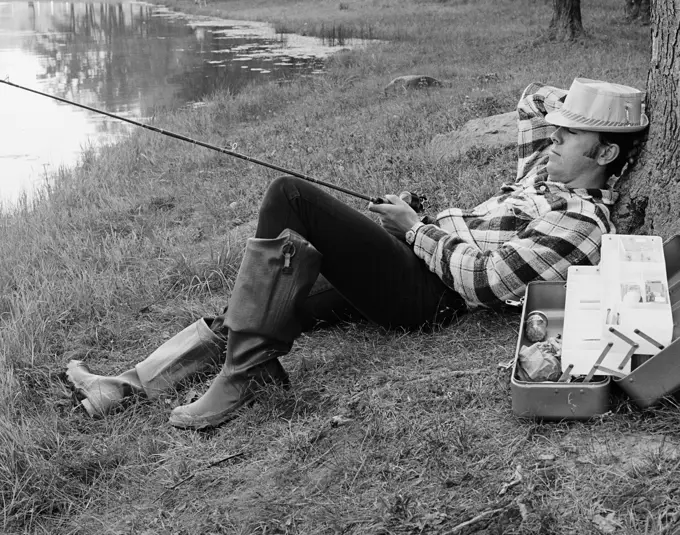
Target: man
[[406, 272]]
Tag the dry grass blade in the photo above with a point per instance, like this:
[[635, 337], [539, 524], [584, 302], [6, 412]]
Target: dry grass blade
[[460, 527], [211, 465]]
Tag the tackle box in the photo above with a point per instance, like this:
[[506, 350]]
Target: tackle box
[[553, 401], [646, 384]]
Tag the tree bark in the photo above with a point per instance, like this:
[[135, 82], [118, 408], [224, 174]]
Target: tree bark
[[650, 195], [566, 24]]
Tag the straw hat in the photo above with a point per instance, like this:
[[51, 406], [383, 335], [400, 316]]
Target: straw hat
[[601, 107]]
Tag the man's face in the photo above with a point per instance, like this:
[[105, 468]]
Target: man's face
[[573, 158]]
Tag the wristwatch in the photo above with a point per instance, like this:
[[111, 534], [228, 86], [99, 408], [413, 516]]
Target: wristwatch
[[411, 233]]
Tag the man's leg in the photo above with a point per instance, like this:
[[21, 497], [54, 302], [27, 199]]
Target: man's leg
[[325, 306], [263, 320], [375, 272], [198, 348]]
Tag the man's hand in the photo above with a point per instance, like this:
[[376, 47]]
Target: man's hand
[[397, 217]]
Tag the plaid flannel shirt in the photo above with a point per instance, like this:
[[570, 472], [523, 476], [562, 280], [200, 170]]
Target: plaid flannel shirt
[[533, 229]]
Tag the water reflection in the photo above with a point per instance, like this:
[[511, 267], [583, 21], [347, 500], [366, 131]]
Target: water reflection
[[128, 58]]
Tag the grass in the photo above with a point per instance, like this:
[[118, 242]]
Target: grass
[[380, 433]]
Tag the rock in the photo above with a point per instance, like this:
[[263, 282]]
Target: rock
[[496, 131], [411, 81]]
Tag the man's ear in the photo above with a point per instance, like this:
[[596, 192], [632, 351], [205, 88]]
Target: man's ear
[[608, 153]]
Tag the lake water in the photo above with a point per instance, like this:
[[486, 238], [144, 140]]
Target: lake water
[[131, 59]]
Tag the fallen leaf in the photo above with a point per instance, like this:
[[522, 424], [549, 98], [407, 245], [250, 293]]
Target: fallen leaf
[[606, 524], [337, 421]]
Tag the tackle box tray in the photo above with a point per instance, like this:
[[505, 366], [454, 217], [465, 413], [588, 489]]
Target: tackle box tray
[[554, 401], [659, 376]]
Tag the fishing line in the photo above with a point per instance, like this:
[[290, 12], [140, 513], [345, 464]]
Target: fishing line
[[374, 200]]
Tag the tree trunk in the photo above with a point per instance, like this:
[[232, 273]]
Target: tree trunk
[[650, 195], [638, 11], [566, 22]]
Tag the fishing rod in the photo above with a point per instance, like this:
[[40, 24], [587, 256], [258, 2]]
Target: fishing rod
[[416, 201]]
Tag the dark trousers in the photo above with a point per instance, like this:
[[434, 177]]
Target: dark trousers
[[371, 271]]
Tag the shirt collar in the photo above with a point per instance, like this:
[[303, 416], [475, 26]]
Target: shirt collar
[[605, 196]]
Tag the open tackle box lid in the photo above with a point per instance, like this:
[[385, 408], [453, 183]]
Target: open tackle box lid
[[659, 375]]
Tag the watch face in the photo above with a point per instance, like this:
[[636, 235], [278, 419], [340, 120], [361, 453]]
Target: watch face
[[410, 236]]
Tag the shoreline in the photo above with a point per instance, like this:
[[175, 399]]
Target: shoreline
[[52, 168]]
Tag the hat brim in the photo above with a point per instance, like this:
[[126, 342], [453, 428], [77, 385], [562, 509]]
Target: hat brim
[[556, 118]]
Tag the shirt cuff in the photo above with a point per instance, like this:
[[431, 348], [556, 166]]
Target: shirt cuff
[[411, 233]]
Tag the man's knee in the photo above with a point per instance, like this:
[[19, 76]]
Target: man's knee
[[278, 190], [284, 185], [277, 204]]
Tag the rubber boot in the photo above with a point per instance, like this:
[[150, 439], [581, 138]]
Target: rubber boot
[[100, 394], [193, 350], [263, 319]]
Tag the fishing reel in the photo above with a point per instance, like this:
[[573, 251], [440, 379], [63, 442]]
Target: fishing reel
[[418, 203], [414, 200]]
